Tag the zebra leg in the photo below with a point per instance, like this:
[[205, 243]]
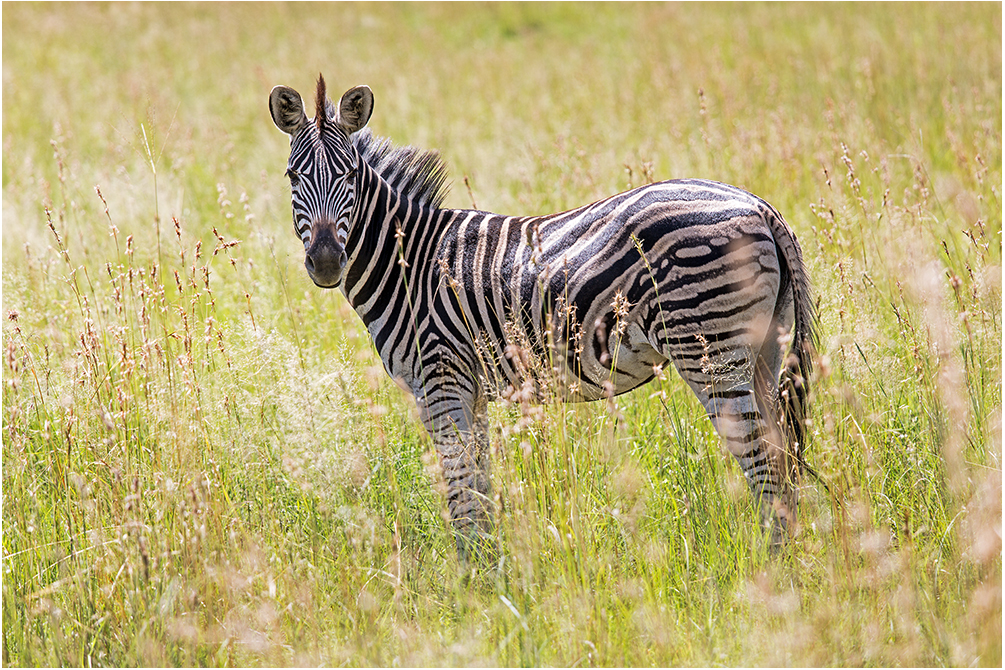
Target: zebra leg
[[457, 420], [783, 445], [747, 426], [726, 382]]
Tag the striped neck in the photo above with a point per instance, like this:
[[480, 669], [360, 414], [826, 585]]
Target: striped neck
[[389, 231]]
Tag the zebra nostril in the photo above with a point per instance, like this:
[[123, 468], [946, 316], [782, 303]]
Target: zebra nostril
[[325, 260]]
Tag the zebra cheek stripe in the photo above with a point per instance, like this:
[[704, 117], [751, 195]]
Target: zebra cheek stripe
[[464, 306]]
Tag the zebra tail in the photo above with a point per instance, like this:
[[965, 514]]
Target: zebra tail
[[794, 382]]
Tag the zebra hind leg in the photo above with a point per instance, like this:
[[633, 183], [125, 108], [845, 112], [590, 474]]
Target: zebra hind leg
[[784, 443], [743, 413], [746, 424]]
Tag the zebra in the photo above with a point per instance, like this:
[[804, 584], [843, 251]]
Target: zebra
[[694, 272]]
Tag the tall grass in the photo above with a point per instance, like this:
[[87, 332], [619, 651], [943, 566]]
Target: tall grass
[[204, 464]]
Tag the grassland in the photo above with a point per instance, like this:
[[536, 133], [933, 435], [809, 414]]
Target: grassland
[[204, 464]]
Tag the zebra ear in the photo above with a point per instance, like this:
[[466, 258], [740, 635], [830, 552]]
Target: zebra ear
[[287, 109], [354, 108]]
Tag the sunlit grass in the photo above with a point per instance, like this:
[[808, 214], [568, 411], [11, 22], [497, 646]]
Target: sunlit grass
[[203, 460]]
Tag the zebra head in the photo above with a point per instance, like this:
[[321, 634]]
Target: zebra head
[[322, 169]]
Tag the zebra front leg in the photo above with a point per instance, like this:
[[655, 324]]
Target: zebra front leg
[[465, 469], [458, 424]]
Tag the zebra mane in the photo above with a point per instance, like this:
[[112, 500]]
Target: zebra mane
[[419, 176], [321, 104]]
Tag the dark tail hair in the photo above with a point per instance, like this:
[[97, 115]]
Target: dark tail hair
[[794, 384]]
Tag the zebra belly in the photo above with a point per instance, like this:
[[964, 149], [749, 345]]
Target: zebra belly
[[627, 362]]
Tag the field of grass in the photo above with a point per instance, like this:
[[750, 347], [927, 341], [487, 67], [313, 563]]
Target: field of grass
[[205, 464]]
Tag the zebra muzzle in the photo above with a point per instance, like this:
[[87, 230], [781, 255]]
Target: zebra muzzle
[[325, 259]]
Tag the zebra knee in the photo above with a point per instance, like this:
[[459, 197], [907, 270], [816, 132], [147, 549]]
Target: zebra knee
[[468, 494], [472, 489], [465, 510]]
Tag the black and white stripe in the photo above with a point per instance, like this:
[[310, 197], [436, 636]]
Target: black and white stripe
[[695, 272]]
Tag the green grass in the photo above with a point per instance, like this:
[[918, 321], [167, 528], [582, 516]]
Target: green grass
[[204, 463]]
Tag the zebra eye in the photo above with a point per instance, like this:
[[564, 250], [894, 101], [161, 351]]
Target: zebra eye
[[293, 176], [350, 176]]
